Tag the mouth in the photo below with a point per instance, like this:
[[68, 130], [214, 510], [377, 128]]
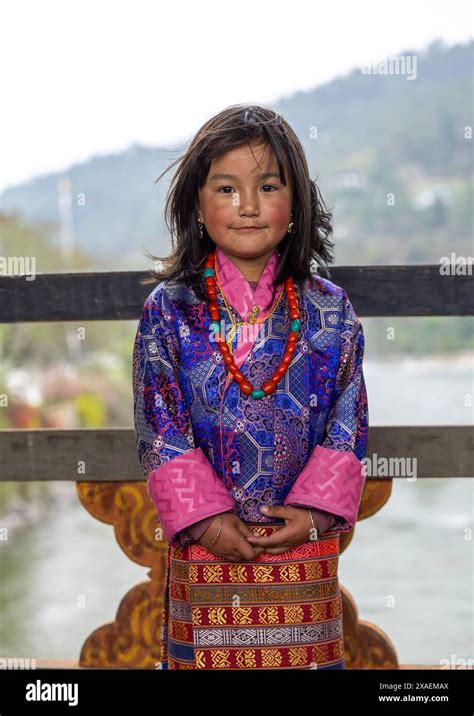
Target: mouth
[[249, 229]]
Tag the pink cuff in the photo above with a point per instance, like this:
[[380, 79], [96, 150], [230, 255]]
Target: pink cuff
[[333, 481], [185, 490]]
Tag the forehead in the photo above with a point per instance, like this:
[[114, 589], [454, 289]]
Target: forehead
[[254, 162]]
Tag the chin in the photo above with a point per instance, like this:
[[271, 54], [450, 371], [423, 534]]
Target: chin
[[247, 248]]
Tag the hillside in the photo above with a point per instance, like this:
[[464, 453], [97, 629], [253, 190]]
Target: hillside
[[376, 134]]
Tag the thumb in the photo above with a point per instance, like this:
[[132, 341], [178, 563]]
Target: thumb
[[274, 511]]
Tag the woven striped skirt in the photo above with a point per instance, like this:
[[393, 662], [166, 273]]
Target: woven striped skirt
[[275, 612]]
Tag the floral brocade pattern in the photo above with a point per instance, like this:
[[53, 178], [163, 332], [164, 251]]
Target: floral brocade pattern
[[258, 448], [277, 611]]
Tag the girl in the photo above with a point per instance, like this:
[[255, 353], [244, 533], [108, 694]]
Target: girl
[[250, 405]]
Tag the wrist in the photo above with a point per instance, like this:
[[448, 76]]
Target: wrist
[[314, 528], [208, 544]]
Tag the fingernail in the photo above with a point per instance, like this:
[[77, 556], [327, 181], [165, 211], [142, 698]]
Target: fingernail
[[264, 509]]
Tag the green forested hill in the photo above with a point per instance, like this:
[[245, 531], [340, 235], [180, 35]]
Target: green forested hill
[[377, 135]]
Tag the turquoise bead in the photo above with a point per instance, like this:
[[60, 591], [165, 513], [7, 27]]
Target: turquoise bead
[[214, 325], [295, 325], [257, 394], [209, 272]]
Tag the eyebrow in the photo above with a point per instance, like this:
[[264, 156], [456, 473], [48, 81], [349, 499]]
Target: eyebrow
[[265, 175]]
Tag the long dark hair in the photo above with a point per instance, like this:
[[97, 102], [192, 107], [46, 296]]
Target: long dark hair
[[233, 127]]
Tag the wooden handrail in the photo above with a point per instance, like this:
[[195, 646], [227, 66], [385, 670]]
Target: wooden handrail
[[110, 453], [415, 290]]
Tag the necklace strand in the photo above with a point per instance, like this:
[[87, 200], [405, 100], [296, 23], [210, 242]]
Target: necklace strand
[[246, 387], [241, 323]]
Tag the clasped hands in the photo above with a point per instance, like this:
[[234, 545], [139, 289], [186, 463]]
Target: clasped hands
[[237, 542]]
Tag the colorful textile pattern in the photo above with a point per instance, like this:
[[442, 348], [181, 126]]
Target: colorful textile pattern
[[258, 448], [276, 612], [206, 448]]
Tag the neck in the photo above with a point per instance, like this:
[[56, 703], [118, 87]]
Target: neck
[[252, 268]]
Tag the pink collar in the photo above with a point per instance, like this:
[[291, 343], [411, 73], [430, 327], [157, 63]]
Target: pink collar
[[238, 291]]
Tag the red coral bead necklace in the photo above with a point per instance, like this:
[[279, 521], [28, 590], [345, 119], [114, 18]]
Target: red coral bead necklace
[[246, 387]]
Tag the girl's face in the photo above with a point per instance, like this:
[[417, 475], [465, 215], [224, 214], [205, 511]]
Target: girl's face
[[250, 195]]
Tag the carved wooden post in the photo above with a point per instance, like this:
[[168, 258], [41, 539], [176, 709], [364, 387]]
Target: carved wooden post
[[133, 639]]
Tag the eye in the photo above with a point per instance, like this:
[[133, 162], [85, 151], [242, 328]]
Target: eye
[[270, 186]]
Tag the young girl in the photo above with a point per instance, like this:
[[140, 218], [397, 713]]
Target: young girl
[[250, 405]]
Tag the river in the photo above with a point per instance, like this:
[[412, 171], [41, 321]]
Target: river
[[409, 567]]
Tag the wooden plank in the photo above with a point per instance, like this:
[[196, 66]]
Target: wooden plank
[[110, 454], [113, 295], [416, 290]]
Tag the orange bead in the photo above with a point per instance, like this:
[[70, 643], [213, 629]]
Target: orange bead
[[270, 386], [293, 337], [246, 387]]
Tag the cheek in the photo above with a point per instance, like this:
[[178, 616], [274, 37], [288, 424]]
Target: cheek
[[278, 213], [219, 213]]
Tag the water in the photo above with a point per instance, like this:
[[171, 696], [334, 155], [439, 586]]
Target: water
[[409, 567]]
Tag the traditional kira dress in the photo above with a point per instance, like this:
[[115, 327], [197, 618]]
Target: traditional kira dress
[[207, 448]]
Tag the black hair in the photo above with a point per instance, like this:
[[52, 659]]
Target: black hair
[[231, 128]]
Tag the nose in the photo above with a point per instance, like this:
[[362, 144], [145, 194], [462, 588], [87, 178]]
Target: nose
[[248, 203]]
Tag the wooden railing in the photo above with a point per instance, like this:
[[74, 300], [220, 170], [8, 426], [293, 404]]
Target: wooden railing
[[104, 463]]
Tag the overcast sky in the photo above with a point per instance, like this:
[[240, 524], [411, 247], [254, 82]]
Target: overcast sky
[[95, 76]]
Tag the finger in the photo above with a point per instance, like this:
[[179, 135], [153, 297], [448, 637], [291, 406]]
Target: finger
[[247, 532], [244, 529], [273, 540], [245, 549], [275, 511]]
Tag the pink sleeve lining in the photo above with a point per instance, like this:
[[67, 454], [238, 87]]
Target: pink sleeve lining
[[186, 490], [333, 481]]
